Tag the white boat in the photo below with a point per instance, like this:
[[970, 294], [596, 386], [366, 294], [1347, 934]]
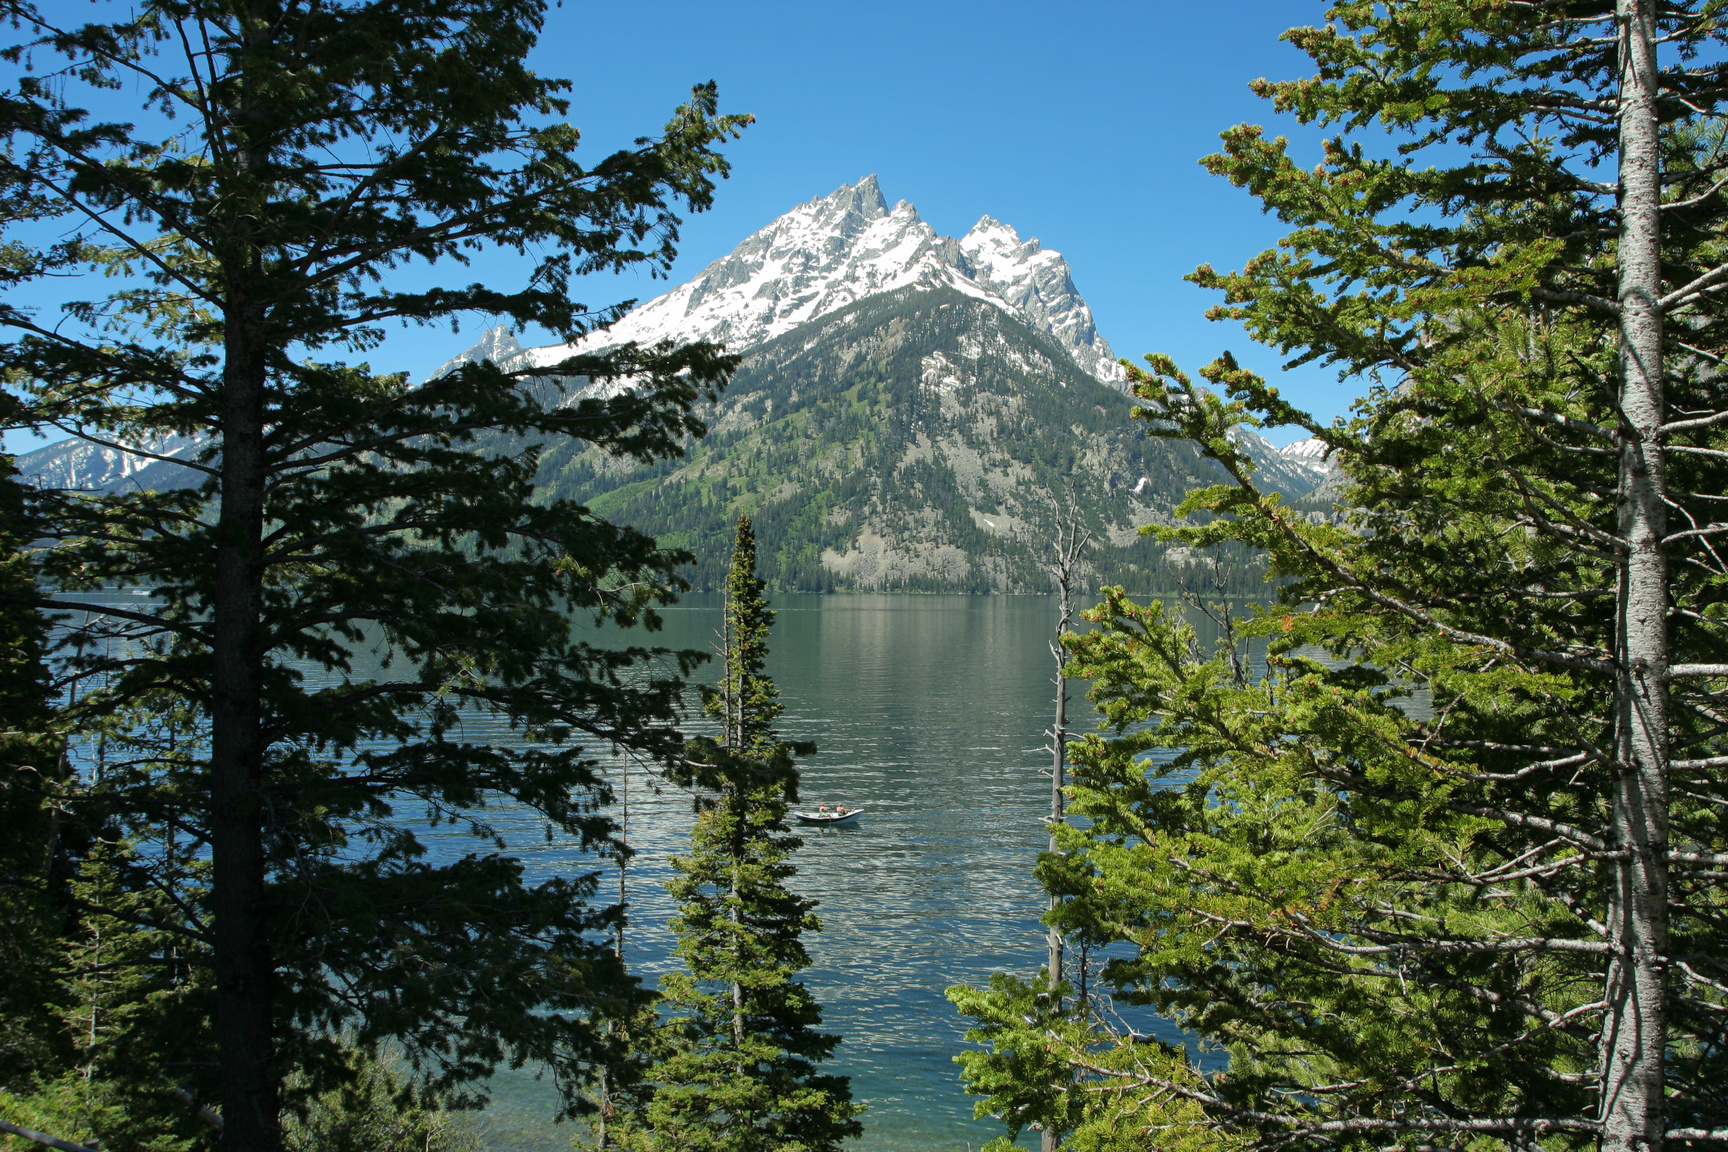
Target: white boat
[[829, 817]]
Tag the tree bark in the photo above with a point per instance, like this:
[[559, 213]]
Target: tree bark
[[1071, 541], [1635, 1025], [43, 1138], [244, 972], [737, 985], [244, 968]]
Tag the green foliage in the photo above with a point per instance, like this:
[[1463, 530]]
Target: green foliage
[[1044, 1066], [376, 1110], [346, 590], [746, 702], [126, 1021], [735, 1056], [1376, 849], [32, 771], [105, 1006]]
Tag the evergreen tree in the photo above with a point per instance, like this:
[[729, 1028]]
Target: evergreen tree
[[32, 779], [735, 1060], [1431, 856], [346, 588], [377, 1110]]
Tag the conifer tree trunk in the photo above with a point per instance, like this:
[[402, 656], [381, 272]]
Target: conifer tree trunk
[[737, 1071], [734, 680], [241, 208], [737, 986], [1634, 1028], [736, 802], [242, 958]]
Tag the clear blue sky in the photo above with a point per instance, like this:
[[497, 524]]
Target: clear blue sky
[[1078, 123]]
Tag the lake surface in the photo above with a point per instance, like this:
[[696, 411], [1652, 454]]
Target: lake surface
[[929, 712]]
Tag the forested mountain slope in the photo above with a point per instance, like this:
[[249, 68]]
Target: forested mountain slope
[[920, 439]]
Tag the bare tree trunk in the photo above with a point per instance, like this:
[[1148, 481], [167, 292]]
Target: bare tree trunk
[[604, 1088], [726, 679], [1071, 542], [1049, 1141], [43, 1138], [1059, 747], [737, 987], [1634, 1029]]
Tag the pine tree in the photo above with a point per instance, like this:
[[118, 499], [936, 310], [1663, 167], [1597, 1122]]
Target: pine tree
[[735, 1060], [1445, 869], [33, 778], [346, 587]]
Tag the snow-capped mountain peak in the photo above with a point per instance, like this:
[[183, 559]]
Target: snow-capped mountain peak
[[832, 251], [1311, 451], [1037, 283], [85, 466], [1311, 455], [497, 345]]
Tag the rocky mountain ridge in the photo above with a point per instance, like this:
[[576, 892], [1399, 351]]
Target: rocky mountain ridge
[[833, 251], [1310, 454], [89, 466]]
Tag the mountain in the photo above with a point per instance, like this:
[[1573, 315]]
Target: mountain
[[834, 251], [911, 412], [1310, 455], [83, 466], [498, 345], [919, 439]]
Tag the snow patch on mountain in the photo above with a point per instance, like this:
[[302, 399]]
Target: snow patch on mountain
[[1038, 285], [1310, 454], [831, 252], [1290, 474], [498, 345], [940, 375], [78, 465]]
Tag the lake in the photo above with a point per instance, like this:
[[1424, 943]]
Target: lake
[[929, 712]]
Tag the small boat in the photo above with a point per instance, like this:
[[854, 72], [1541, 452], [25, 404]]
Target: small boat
[[829, 817]]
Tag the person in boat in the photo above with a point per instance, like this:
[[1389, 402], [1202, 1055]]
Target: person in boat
[[822, 808], [839, 809]]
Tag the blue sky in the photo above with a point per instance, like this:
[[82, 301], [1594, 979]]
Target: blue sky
[[1075, 123], [1081, 124], [1078, 123]]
